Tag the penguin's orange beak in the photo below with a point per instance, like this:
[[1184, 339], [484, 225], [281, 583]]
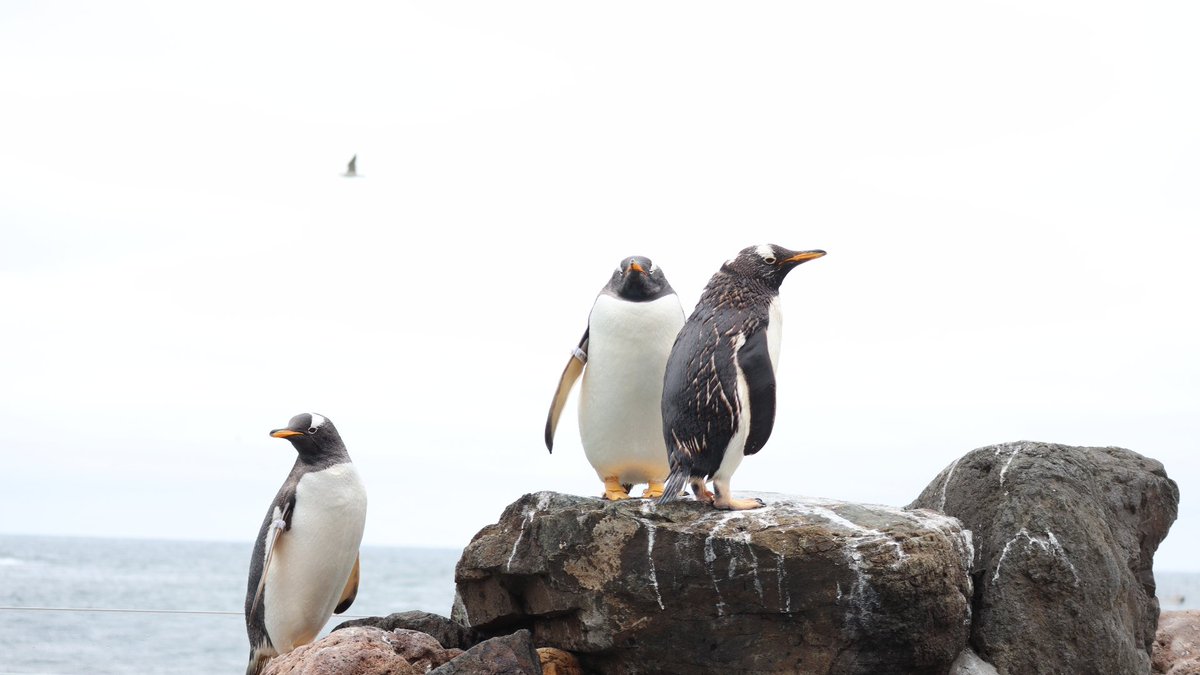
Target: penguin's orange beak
[[804, 256], [634, 267], [285, 433]]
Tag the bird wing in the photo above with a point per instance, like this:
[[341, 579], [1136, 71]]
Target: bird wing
[[700, 403], [351, 590], [570, 374], [281, 522], [754, 360]]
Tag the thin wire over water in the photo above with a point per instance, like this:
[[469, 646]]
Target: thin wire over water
[[125, 610]]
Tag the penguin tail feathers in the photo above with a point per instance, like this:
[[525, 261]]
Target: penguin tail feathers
[[674, 485], [258, 660]]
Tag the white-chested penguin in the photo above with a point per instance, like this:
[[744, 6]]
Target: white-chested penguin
[[629, 335], [718, 399], [305, 563]]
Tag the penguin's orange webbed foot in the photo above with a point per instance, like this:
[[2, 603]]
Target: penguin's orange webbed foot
[[613, 490], [652, 491], [738, 504]]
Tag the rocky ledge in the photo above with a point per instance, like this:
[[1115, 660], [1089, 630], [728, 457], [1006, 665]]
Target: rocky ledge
[[1020, 558], [802, 585]]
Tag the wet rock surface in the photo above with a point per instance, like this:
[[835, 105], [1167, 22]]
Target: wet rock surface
[[1065, 538], [802, 585]]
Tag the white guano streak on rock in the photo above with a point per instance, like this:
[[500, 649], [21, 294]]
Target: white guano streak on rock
[[785, 593], [946, 484], [710, 554], [744, 537], [959, 537], [858, 592], [1058, 549], [868, 535], [1016, 450], [1049, 544], [859, 596], [650, 557], [762, 515], [542, 502]]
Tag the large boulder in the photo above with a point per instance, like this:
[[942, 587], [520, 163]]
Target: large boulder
[[1065, 540], [802, 585]]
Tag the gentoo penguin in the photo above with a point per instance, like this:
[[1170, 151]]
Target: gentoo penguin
[[305, 562], [351, 168], [718, 399], [629, 335]]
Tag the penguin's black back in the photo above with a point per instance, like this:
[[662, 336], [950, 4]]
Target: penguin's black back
[[700, 404]]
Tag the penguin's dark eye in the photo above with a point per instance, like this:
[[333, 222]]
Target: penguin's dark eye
[[770, 260], [312, 430]]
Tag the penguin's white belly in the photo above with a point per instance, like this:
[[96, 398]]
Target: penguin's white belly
[[620, 402], [736, 450], [313, 560], [774, 331]]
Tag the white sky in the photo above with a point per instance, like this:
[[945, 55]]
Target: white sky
[[1008, 195]]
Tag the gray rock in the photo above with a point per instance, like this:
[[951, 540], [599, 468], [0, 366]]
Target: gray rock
[[508, 655], [1065, 540], [803, 585], [448, 633]]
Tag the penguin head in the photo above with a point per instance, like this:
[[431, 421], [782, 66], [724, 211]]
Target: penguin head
[[637, 279], [312, 435], [768, 263]]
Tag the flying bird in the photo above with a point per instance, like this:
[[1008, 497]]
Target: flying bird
[[630, 330], [718, 401]]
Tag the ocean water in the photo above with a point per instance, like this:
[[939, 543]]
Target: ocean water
[[59, 572]]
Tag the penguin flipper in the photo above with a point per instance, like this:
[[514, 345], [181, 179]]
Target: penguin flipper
[[282, 522], [571, 373], [754, 360], [351, 590]]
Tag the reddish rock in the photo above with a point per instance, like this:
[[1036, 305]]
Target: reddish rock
[[364, 651], [558, 662], [1177, 645]]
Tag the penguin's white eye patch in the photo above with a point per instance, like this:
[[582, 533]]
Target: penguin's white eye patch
[[316, 423]]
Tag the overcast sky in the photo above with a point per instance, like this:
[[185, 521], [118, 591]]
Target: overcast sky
[[1007, 192]]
